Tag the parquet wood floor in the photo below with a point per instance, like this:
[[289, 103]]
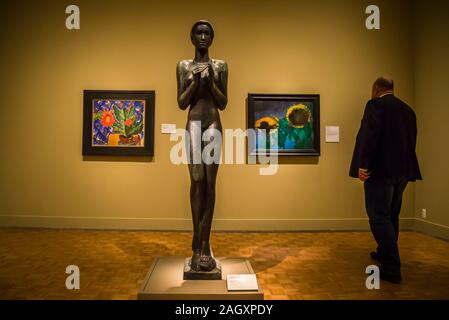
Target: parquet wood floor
[[113, 264]]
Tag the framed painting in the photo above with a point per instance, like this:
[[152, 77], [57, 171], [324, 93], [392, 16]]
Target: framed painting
[[119, 123], [286, 124]]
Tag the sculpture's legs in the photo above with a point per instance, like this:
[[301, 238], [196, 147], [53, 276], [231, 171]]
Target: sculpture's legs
[[207, 262], [197, 191], [196, 194], [202, 200], [206, 223]]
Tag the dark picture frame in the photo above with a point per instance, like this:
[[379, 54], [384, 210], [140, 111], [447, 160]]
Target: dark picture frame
[[292, 121], [106, 113]]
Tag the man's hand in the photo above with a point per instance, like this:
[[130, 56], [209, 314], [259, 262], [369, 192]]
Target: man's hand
[[364, 174]]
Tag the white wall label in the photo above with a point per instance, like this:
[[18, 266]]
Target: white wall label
[[332, 134], [242, 282], [168, 128]]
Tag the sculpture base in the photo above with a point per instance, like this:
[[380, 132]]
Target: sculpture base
[[164, 281], [190, 274]]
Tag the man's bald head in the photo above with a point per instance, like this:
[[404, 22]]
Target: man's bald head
[[382, 86]]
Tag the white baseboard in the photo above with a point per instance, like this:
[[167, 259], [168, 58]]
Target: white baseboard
[[180, 224], [431, 228]]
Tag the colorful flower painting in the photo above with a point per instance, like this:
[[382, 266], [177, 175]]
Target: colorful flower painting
[[286, 124], [118, 123]]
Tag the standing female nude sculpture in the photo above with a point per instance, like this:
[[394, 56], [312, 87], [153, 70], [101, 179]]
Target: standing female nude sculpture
[[202, 87]]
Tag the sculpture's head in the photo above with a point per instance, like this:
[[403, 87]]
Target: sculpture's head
[[202, 34]]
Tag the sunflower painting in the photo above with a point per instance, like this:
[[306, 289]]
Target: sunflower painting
[[286, 124], [118, 122]]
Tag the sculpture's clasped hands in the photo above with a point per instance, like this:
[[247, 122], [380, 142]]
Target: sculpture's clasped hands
[[199, 69], [210, 73], [203, 71]]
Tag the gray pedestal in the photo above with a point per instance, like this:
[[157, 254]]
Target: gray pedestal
[[164, 281]]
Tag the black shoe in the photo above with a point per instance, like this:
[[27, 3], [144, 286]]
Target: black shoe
[[375, 256], [396, 279]]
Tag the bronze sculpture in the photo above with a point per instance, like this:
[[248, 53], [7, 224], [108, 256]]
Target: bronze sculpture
[[202, 86]]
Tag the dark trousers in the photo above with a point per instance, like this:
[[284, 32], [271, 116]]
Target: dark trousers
[[383, 200]]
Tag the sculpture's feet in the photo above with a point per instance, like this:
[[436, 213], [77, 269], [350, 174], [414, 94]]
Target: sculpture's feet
[[207, 263], [195, 261]]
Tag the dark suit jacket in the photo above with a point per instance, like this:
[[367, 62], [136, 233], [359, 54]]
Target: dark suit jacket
[[386, 140]]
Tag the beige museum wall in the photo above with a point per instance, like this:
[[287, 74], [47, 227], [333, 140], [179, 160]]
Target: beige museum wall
[[432, 102], [271, 46]]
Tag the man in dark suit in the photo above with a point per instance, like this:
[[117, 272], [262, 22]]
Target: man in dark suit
[[385, 160]]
